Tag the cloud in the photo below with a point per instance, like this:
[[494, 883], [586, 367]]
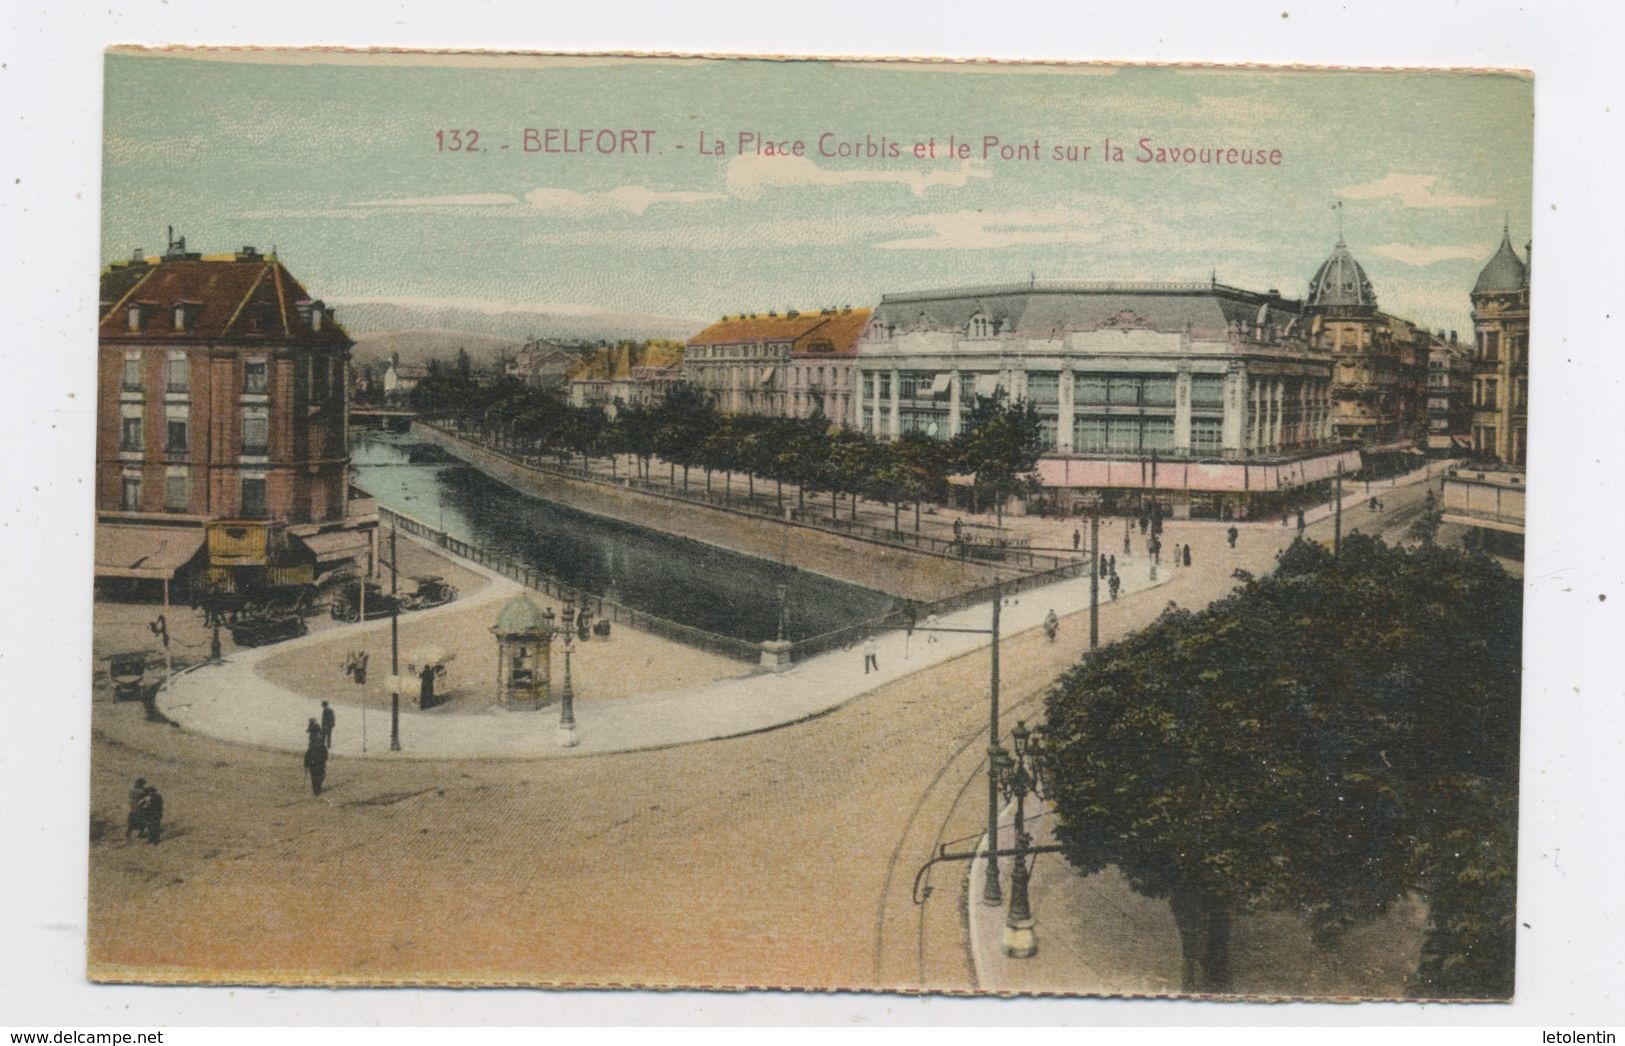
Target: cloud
[[624, 199], [992, 230], [478, 199], [1412, 191], [750, 176], [1412, 255]]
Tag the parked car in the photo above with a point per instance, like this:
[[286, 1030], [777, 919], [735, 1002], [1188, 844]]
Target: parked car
[[432, 591], [260, 631], [347, 607]]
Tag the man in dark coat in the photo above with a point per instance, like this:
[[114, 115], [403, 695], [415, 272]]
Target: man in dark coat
[[328, 721], [316, 766], [133, 824], [1232, 534], [1077, 538], [1186, 553], [152, 815], [313, 730]]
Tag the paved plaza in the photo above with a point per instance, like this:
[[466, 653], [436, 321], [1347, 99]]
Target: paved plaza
[[776, 857]]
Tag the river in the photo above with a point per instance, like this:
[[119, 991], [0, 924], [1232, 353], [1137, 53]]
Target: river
[[686, 581]]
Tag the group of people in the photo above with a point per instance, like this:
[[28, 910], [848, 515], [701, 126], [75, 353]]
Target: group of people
[[146, 818], [321, 741]]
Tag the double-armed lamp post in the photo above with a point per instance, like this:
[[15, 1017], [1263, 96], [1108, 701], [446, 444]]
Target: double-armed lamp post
[[1019, 777]]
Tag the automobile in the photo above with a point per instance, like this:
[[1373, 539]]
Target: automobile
[[432, 591], [260, 631], [128, 672], [346, 603]]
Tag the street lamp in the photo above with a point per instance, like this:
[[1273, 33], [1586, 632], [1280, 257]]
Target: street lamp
[[567, 698], [1018, 778]]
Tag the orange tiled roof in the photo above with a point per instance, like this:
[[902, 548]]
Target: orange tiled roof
[[231, 296], [840, 329]]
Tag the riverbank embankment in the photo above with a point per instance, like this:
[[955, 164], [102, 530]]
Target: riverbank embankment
[[896, 570]]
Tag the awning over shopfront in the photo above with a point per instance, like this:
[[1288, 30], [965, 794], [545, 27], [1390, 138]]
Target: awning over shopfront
[[987, 385], [939, 384], [337, 545], [1202, 476], [134, 551]]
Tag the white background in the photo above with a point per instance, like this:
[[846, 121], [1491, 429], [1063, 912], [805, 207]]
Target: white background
[[1571, 960]]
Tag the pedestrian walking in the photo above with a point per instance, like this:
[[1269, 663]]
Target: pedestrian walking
[[1052, 625], [313, 730], [1145, 525], [152, 815], [328, 721], [870, 655], [133, 824], [1103, 570], [1232, 534], [1127, 532], [1114, 584], [1187, 554], [1174, 561], [316, 766], [1077, 539], [1300, 521], [1111, 565]]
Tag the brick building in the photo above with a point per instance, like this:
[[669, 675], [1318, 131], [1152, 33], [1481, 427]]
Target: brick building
[[222, 419]]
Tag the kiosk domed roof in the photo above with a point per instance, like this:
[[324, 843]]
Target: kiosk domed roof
[[1340, 281], [520, 615], [1505, 272]]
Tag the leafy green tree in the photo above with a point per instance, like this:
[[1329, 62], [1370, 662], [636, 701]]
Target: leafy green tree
[[686, 418], [1000, 444], [924, 463], [1325, 740]]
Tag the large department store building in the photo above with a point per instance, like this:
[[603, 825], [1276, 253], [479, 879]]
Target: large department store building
[[1204, 398]]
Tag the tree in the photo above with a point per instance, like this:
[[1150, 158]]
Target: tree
[[1326, 740], [686, 417], [1000, 444], [1426, 528]]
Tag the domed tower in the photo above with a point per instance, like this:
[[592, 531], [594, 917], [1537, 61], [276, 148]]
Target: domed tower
[[1340, 286], [1501, 356], [1377, 385]]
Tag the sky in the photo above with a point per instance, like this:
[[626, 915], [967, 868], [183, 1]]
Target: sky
[[334, 160]]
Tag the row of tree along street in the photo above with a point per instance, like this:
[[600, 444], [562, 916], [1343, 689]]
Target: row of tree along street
[[1327, 740], [999, 445]]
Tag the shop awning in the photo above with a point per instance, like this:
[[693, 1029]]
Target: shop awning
[[767, 375], [336, 544], [134, 551], [939, 384], [987, 385]]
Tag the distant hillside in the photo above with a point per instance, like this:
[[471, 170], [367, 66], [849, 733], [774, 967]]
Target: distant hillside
[[420, 346], [509, 328]]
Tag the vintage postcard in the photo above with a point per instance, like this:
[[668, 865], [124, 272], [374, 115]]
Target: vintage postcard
[[612, 521]]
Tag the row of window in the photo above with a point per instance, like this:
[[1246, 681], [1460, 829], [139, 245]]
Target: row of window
[[177, 432], [1487, 394], [1489, 346], [178, 493], [320, 375], [1044, 388]]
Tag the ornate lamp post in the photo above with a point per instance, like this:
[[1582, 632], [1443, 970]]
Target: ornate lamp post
[[1018, 778], [567, 697]]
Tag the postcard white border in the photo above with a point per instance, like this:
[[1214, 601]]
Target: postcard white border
[[1569, 961]]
